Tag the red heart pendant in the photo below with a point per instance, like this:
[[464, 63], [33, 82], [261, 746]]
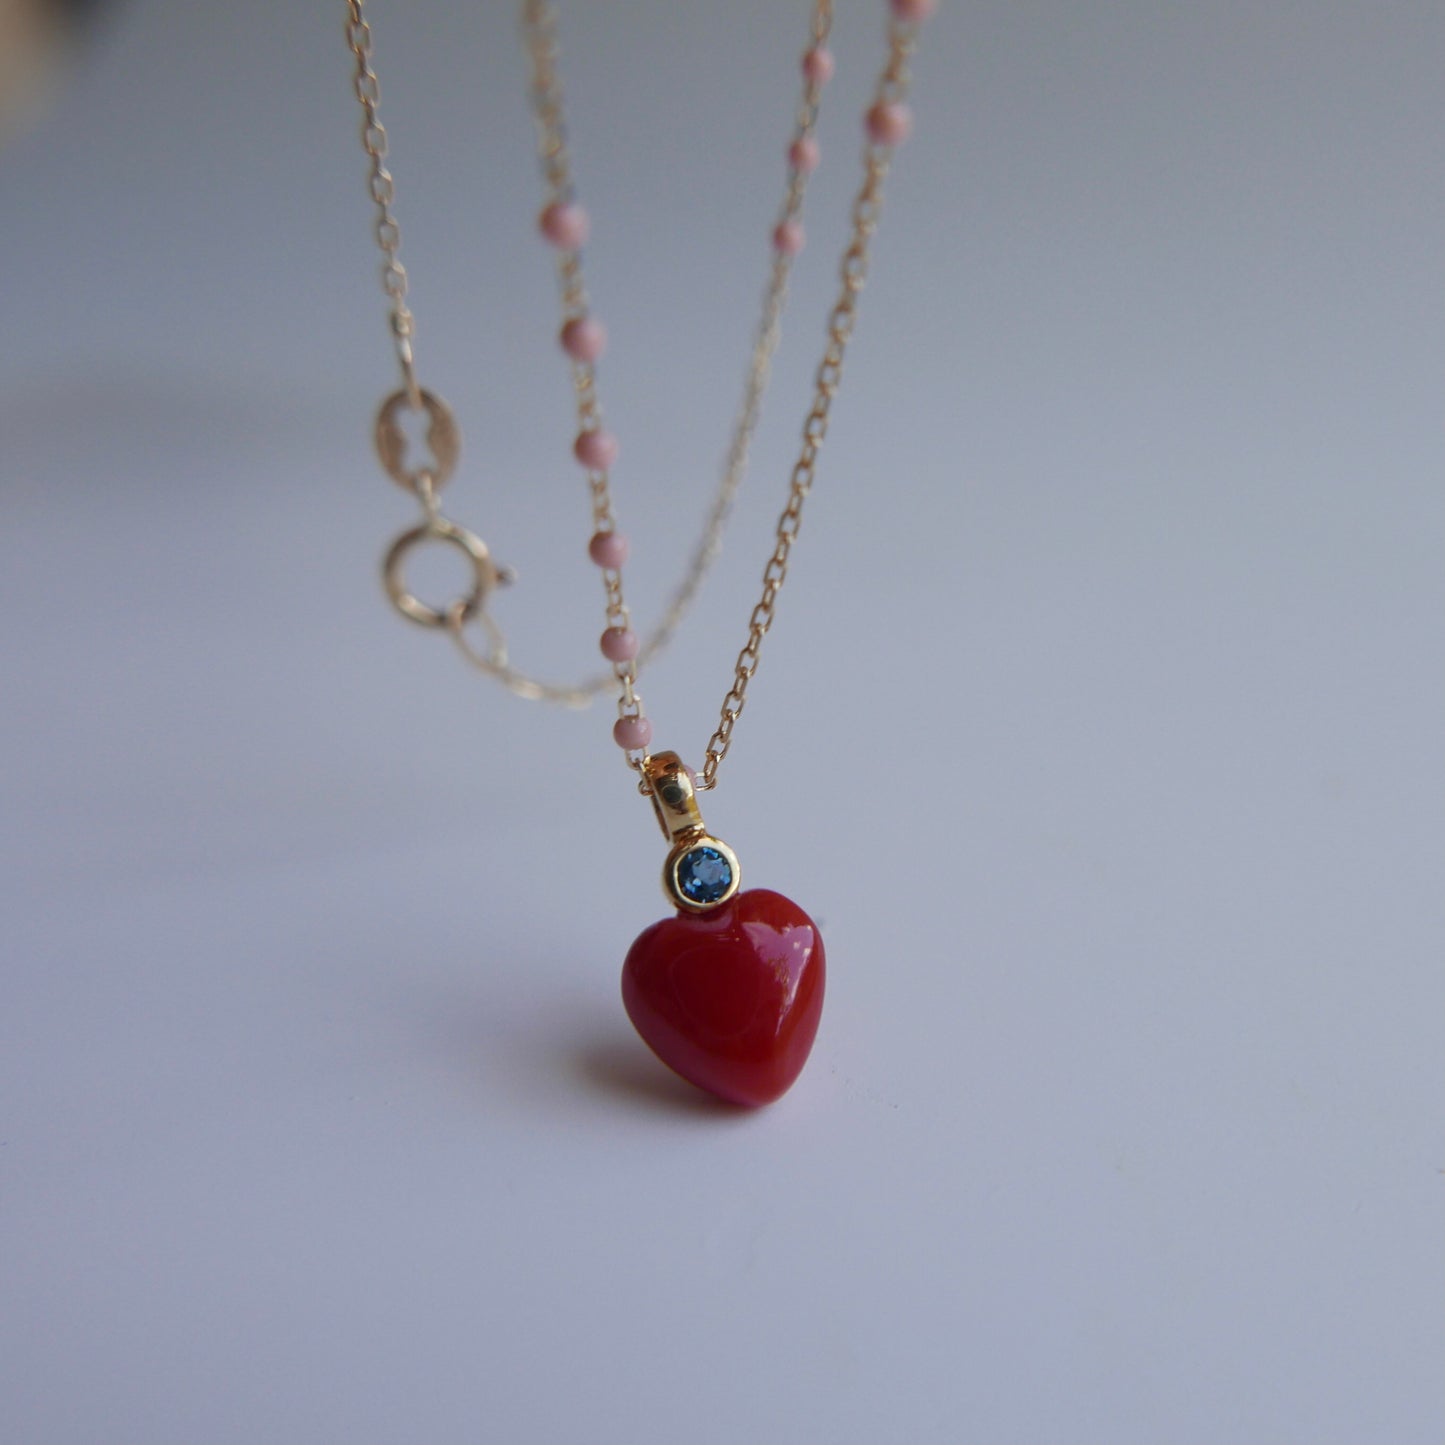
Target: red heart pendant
[[730, 998]]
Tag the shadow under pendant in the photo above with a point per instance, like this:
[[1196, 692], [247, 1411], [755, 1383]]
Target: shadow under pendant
[[729, 992]]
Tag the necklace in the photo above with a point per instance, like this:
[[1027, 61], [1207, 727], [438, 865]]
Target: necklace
[[729, 991], [582, 338]]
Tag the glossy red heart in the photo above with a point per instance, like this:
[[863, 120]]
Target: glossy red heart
[[730, 998]]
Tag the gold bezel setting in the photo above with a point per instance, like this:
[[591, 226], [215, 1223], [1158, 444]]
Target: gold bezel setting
[[673, 788], [673, 886]]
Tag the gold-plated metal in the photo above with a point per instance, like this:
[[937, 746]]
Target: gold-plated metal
[[539, 25], [442, 436], [672, 883], [539, 28], [674, 795], [867, 206], [383, 193], [673, 790], [495, 664], [892, 85], [439, 529]]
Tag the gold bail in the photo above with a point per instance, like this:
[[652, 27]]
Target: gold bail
[[674, 796], [701, 872]]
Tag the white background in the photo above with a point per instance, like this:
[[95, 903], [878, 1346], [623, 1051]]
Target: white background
[[1100, 729]]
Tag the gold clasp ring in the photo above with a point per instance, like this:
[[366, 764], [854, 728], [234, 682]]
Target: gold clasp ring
[[485, 576]]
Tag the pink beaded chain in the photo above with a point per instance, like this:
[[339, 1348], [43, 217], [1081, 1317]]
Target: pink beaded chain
[[583, 339], [566, 225]]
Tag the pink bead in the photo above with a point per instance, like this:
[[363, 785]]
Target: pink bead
[[619, 644], [584, 338], [608, 550], [565, 224], [916, 10], [595, 449], [788, 238], [888, 123], [632, 733], [803, 154], [818, 65]]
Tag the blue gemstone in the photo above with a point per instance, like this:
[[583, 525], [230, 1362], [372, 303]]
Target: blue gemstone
[[703, 875]]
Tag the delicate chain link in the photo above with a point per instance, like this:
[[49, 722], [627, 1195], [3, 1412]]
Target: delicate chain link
[[539, 25], [765, 345], [383, 192], [867, 206], [540, 30]]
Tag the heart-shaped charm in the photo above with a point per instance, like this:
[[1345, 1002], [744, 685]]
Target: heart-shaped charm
[[730, 998]]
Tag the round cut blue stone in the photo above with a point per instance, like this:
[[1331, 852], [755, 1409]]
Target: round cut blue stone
[[703, 875]]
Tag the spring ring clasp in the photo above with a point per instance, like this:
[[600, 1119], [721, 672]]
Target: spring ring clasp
[[425, 480]]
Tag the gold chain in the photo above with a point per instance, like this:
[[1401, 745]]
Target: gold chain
[[867, 205], [539, 26], [765, 345], [383, 192]]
